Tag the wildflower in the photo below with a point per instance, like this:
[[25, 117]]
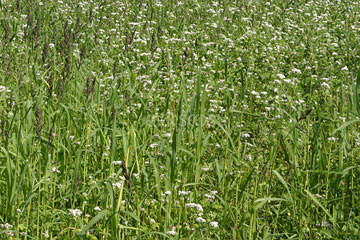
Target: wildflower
[[281, 76], [200, 220], [172, 231], [6, 226], [194, 205], [324, 84], [245, 135], [214, 224], [75, 212], [97, 208], [210, 197], [117, 162], [46, 234], [2, 89], [153, 145], [295, 70], [117, 184], [184, 193], [9, 233]]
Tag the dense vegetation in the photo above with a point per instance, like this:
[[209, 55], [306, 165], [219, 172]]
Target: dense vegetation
[[191, 119]]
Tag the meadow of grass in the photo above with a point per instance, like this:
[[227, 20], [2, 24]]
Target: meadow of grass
[[190, 119]]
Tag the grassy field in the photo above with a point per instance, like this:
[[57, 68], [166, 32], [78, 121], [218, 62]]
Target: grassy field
[[190, 119]]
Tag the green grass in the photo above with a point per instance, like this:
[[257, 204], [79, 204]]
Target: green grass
[[179, 120]]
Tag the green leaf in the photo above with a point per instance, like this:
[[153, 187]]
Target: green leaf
[[344, 125], [319, 205], [93, 221]]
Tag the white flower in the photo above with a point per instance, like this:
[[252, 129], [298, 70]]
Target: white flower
[[344, 68], [167, 135], [295, 70], [6, 226], [2, 89], [117, 184], [209, 196], [184, 193], [214, 224], [172, 232], [324, 84], [75, 212], [97, 208], [200, 220], [167, 193], [194, 205], [117, 162], [154, 145], [245, 135], [281, 76], [46, 234]]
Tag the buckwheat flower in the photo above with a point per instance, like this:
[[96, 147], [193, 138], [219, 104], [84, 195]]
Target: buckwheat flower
[[167, 135], [172, 231], [153, 145], [324, 84], [210, 197], [117, 162], [75, 212], [167, 193], [117, 185], [200, 220], [344, 68], [281, 76], [214, 224], [46, 234], [97, 208], [6, 226], [295, 70], [194, 205], [184, 193], [245, 135], [9, 233]]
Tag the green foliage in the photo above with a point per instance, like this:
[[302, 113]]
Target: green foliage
[[191, 119]]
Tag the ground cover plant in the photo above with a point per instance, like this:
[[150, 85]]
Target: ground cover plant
[[190, 119]]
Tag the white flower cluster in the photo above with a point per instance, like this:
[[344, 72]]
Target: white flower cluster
[[194, 205], [75, 212]]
